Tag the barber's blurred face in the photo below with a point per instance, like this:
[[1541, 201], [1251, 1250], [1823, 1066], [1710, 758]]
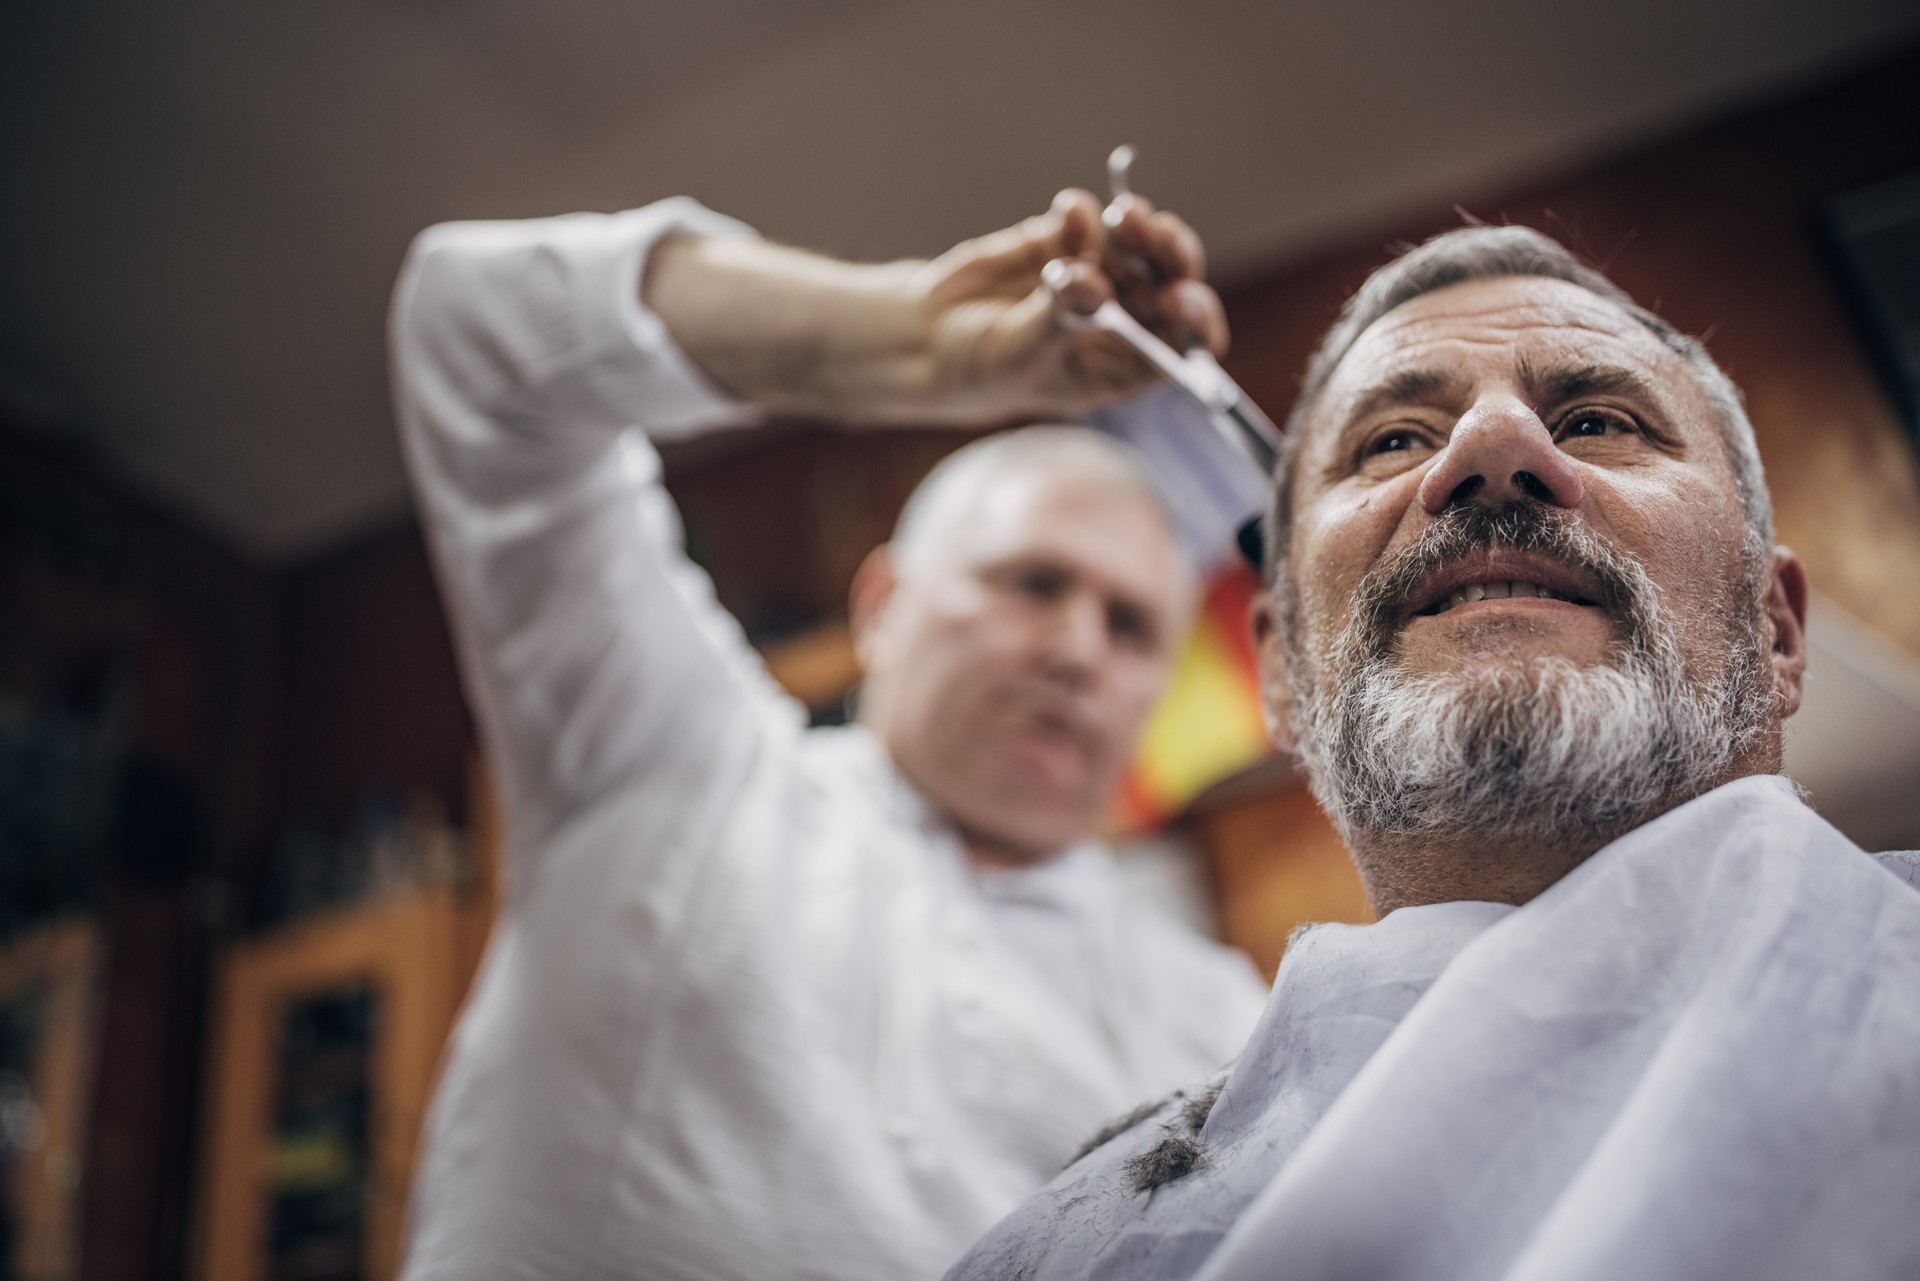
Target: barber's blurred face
[[1009, 668], [1517, 574]]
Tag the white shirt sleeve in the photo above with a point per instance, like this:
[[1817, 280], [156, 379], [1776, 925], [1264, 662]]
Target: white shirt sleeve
[[594, 652]]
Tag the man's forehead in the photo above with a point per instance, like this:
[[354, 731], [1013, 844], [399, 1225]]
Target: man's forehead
[[1493, 325], [1541, 333], [1052, 509], [1116, 535]]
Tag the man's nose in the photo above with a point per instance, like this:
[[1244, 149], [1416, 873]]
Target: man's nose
[[1080, 632], [1500, 452]]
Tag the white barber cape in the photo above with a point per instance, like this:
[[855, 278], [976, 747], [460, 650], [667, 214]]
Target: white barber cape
[[750, 1013], [1697, 1056]]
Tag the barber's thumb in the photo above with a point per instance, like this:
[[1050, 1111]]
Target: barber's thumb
[[1074, 286], [1079, 229], [1026, 325]]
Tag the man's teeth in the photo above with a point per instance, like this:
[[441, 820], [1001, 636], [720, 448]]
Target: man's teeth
[[1498, 591]]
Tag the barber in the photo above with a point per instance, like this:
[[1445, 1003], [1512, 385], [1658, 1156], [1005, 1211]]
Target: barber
[[769, 1002]]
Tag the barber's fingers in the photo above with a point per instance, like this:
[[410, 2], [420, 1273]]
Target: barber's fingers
[[1003, 304], [1163, 239], [1077, 286], [1159, 265], [1080, 231], [1036, 338], [1043, 319], [1009, 259], [1197, 310]]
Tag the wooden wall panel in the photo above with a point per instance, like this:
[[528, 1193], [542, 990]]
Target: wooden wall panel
[[1278, 864]]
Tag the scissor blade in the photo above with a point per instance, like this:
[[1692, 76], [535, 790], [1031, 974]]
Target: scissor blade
[[1231, 410], [1254, 432]]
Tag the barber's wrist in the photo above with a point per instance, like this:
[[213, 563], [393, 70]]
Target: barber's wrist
[[862, 348], [794, 333]]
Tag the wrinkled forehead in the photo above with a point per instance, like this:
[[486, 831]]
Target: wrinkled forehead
[[1513, 330]]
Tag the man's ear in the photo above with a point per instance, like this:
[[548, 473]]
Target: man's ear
[[1786, 606], [1276, 696], [873, 585]]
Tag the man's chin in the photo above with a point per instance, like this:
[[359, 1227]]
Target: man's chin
[[1539, 747], [1021, 835], [1436, 647], [1029, 808]]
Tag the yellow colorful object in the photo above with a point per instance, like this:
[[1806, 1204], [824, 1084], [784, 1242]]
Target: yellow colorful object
[[1207, 725]]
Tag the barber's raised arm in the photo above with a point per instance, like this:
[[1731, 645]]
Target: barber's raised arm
[[523, 354], [594, 652]]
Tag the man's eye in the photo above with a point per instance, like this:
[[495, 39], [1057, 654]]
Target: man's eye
[[1594, 422], [1392, 451], [1130, 625], [1041, 584]]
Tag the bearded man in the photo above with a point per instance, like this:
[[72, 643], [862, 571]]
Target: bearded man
[[1631, 1008]]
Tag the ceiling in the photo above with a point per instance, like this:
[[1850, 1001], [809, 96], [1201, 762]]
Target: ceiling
[[205, 202]]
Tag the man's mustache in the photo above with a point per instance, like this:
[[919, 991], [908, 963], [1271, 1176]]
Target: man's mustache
[[1384, 600]]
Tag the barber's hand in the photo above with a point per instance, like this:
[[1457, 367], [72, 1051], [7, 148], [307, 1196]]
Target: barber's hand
[[972, 338], [997, 343]]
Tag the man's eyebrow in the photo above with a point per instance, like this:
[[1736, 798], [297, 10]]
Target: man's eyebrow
[[1407, 387], [1557, 386]]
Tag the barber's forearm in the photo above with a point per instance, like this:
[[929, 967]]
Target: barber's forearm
[[792, 332]]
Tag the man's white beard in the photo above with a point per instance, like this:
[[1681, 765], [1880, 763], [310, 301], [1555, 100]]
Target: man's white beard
[[1542, 749]]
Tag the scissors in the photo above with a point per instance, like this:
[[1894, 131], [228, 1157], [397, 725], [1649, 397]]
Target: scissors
[[1231, 410]]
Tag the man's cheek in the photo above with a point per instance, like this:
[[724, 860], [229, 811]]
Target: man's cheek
[[1322, 618]]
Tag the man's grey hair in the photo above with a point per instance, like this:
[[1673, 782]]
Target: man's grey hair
[[944, 500], [1483, 253]]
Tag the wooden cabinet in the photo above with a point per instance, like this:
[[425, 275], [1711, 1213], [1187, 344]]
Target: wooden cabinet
[[49, 978], [327, 1043], [403, 960]]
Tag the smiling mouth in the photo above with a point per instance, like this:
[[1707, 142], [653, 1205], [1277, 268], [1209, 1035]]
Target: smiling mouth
[[1500, 575], [1516, 589]]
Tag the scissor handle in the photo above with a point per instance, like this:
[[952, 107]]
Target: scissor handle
[[1201, 379], [1119, 183], [1119, 171]]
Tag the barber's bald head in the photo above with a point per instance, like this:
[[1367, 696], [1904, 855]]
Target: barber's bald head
[[943, 512], [1523, 588]]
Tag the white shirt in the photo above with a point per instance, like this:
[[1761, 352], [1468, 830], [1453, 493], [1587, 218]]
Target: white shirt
[[750, 1012], [1696, 1056]]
